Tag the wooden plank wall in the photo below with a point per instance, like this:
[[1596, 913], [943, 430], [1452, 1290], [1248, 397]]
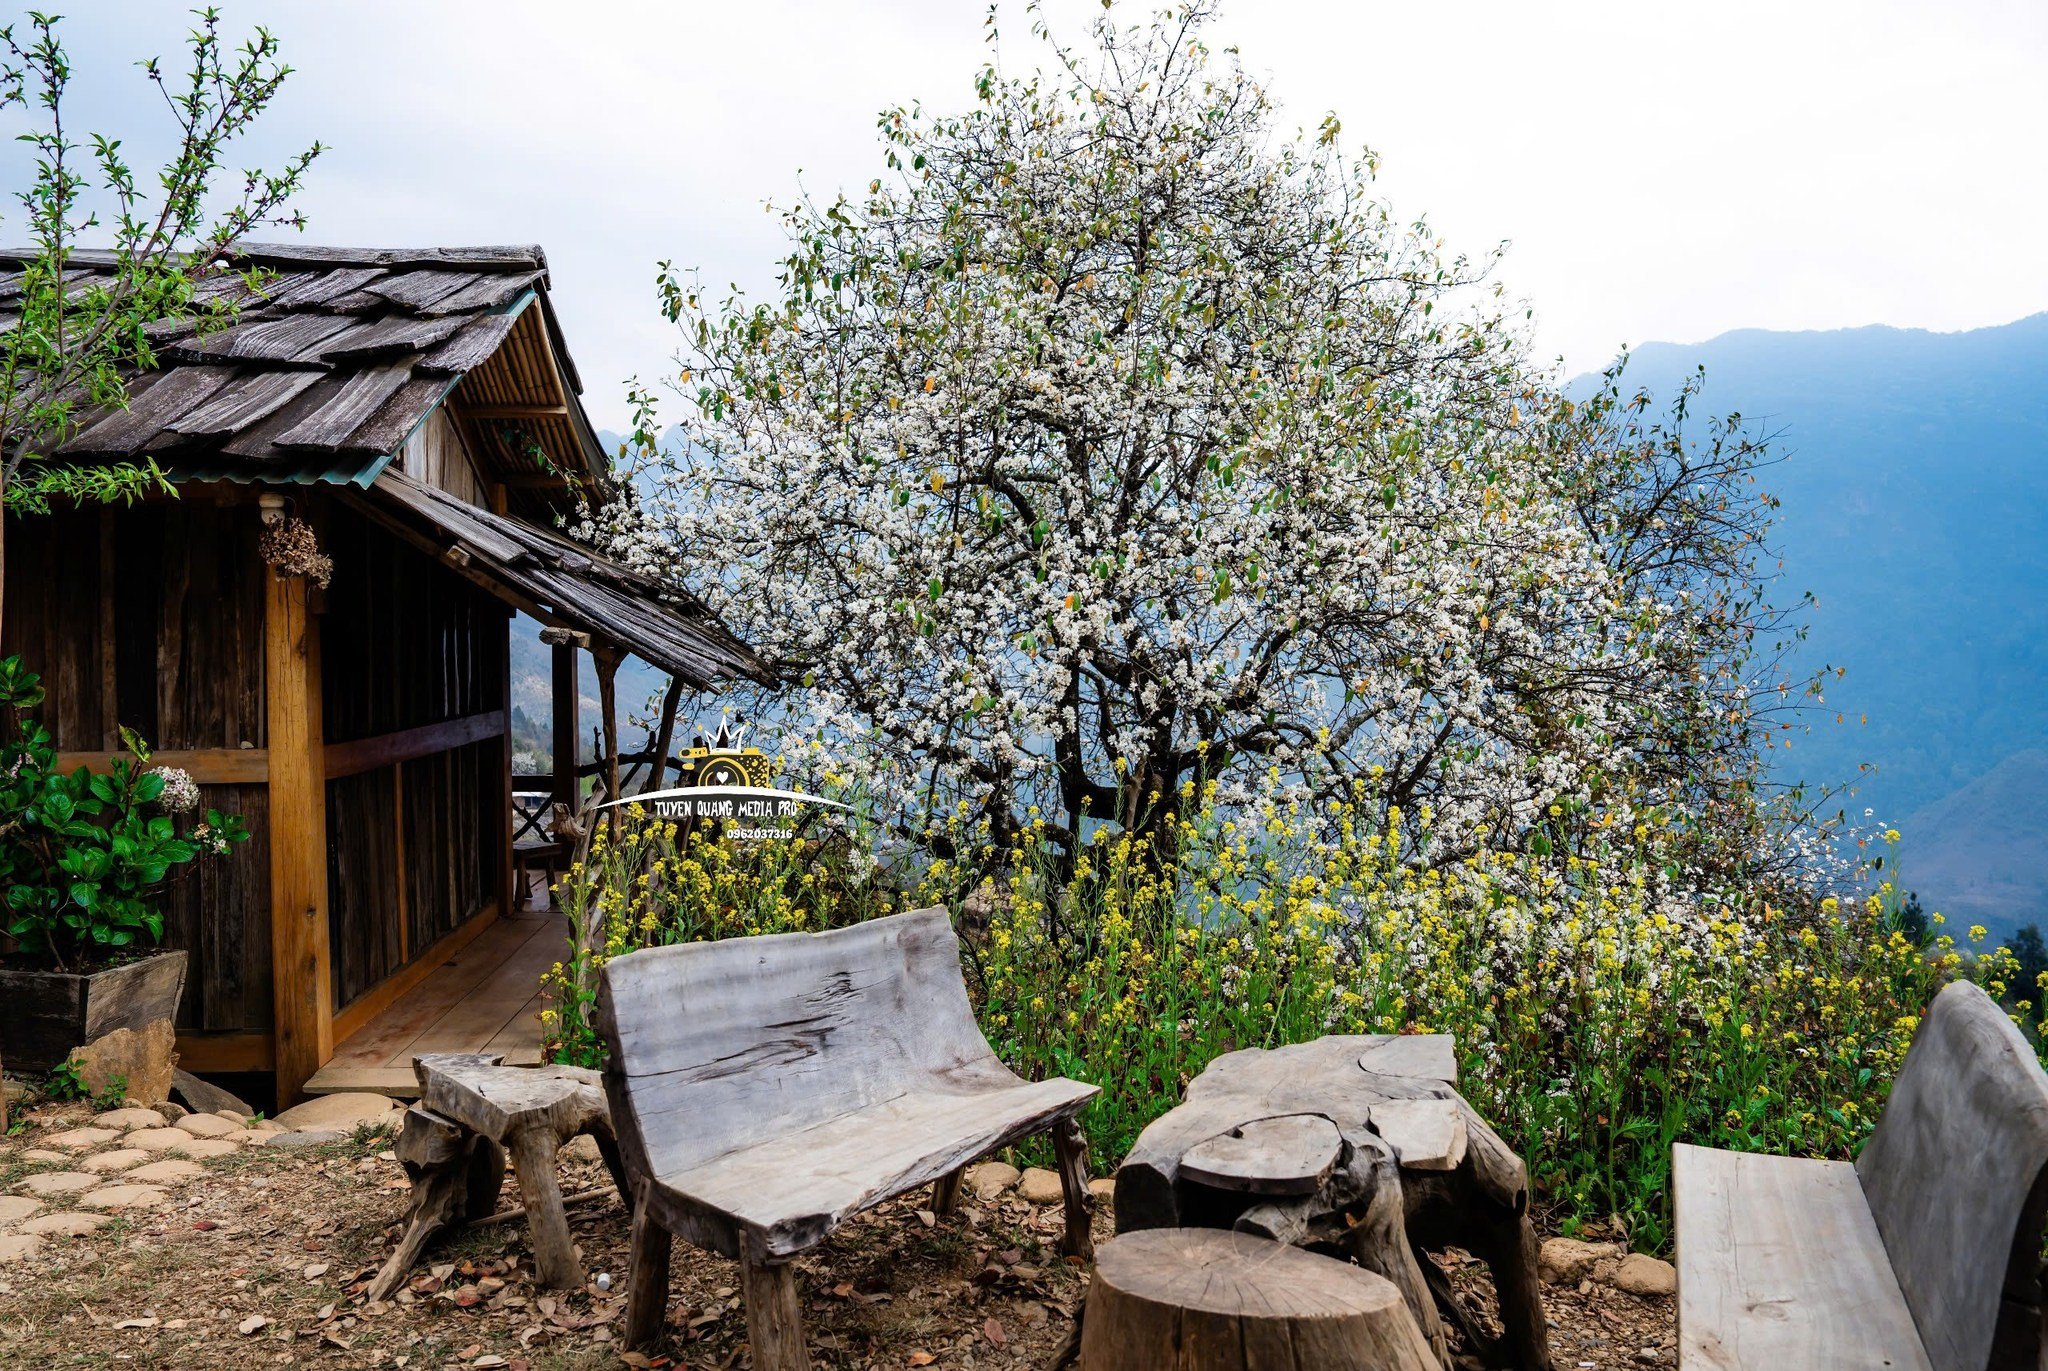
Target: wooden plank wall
[[414, 846], [174, 650]]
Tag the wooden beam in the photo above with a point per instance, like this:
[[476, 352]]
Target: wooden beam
[[567, 701], [301, 990], [225, 1053], [206, 765], [386, 749], [516, 411]]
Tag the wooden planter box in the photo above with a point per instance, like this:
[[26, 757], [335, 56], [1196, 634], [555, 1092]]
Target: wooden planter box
[[47, 1013]]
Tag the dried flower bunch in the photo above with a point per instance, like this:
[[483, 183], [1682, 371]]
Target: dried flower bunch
[[289, 545]]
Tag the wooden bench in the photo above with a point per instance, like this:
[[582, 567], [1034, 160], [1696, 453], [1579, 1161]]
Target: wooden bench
[[766, 1089], [1924, 1255]]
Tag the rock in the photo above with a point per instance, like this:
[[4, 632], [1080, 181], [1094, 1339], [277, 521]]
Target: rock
[[115, 1197], [991, 1179], [1637, 1274], [311, 1137], [44, 1154], [61, 1182], [15, 1246], [1040, 1186], [1104, 1191], [72, 1139], [208, 1126], [66, 1224], [167, 1172], [157, 1139], [204, 1149], [205, 1096], [234, 1116], [337, 1111], [120, 1159], [1566, 1261], [171, 1111], [15, 1208], [582, 1147], [139, 1059], [126, 1119]]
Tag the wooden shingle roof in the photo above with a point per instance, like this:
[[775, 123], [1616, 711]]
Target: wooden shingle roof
[[335, 358], [560, 582]]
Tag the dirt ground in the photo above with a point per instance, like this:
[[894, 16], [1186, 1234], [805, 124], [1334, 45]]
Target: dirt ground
[[260, 1258]]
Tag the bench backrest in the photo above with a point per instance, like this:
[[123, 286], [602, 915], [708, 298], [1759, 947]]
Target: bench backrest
[[1954, 1176], [718, 1045]]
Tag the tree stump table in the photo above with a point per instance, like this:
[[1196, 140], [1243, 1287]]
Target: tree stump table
[[1358, 1144], [472, 1112], [1201, 1299]]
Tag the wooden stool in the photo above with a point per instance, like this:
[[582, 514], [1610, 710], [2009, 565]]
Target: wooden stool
[[473, 1112], [1203, 1299]]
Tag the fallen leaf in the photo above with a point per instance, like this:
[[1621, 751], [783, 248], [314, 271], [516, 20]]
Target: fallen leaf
[[205, 1225], [316, 1270], [927, 1218], [144, 1322], [993, 1331], [251, 1324], [922, 1359]]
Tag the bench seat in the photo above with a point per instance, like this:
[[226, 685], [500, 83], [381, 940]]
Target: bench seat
[[1781, 1266], [788, 1193]]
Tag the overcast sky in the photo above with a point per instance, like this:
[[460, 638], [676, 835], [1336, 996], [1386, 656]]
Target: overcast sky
[[1659, 172]]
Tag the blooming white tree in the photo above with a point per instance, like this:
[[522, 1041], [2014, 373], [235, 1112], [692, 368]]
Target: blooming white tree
[[1112, 442]]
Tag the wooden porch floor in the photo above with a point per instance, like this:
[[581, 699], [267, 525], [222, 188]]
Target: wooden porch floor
[[486, 998]]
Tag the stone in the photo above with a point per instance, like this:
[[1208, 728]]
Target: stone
[[207, 1126], [114, 1197], [120, 1159], [582, 1148], [137, 1060], [157, 1139], [15, 1208], [172, 1111], [991, 1179], [343, 1111], [1567, 1261], [1104, 1190], [61, 1182], [44, 1154], [205, 1149], [205, 1096], [1638, 1274], [166, 1172], [15, 1246], [126, 1119], [311, 1137], [238, 1117], [66, 1224], [72, 1139], [1039, 1186]]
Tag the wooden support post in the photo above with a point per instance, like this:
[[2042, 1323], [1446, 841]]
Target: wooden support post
[[649, 1247], [946, 1191], [301, 991], [1070, 1146], [607, 658], [775, 1321], [566, 702]]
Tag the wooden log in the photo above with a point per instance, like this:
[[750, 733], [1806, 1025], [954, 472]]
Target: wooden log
[[532, 1150], [436, 1154], [1181, 1299], [1290, 1155], [946, 1191], [301, 983]]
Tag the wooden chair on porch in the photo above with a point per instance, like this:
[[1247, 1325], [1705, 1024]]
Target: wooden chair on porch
[[766, 1089]]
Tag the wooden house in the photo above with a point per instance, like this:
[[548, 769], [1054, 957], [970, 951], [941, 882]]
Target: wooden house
[[419, 411]]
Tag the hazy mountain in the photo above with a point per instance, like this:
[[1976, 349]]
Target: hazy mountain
[[1916, 509]]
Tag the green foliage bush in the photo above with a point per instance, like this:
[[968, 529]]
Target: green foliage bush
[[84, 858]]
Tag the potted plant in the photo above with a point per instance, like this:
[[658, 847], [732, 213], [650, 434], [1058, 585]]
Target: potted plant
[[84, 861]]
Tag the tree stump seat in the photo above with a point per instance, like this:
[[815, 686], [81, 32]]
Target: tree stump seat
[[1203, 1299], [472, 1113], [1352, 1144]]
